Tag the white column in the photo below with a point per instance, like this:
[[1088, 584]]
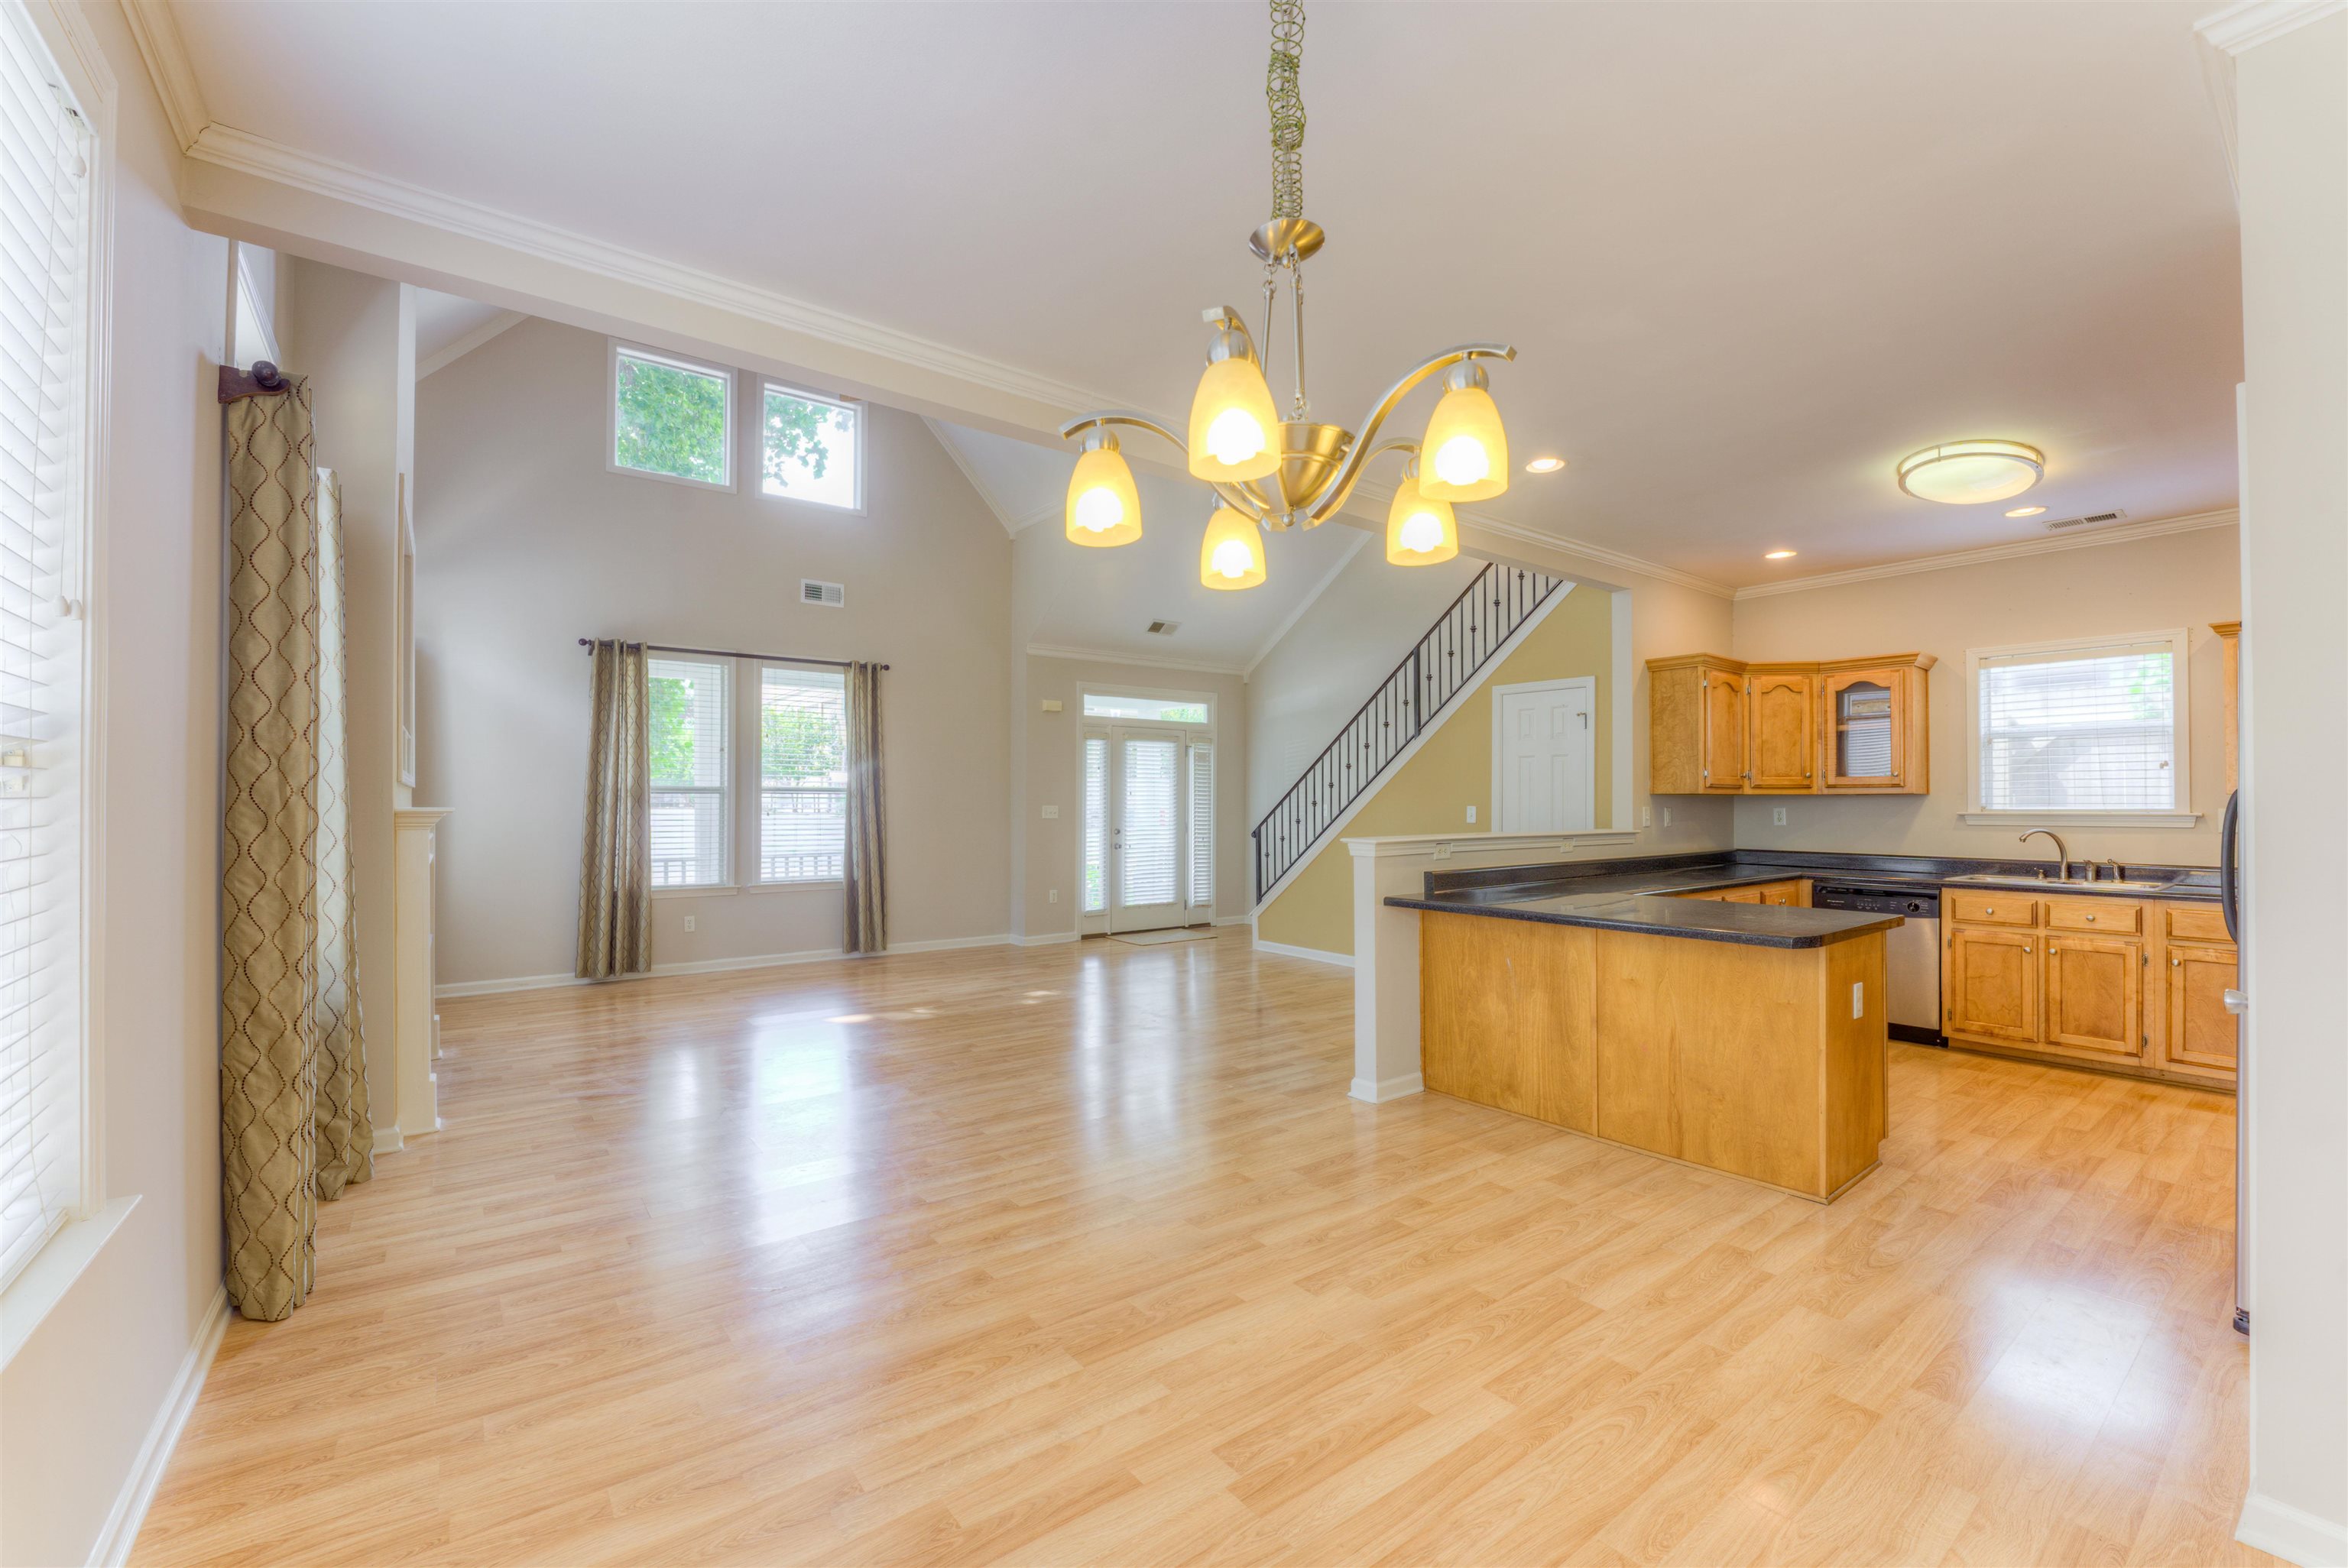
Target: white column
[[416, 1017], [1385, 940]]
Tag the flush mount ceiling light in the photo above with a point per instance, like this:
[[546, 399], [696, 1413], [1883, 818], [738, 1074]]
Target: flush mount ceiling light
[[2025, 511], [1779, 555], [1967, 473], [1274, 473], [1544, 465]]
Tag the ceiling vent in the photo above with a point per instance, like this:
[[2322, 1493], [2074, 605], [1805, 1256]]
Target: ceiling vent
[[1164, 627], [2090, 521], [829, 594]]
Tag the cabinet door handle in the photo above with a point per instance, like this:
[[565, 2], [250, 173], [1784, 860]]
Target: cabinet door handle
[[2025, 947], [2175, 963], [2091, 919]]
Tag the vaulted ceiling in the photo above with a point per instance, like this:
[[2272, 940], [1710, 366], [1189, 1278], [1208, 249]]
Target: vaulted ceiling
[[1751, 253]]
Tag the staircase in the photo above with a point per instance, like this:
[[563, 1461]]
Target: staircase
[[1444, 663]]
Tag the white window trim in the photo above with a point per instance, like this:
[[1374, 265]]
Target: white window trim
[[49, 1273], [614, 347], [1154, 693], [729, 792], [750, 778], [2180, 643], [1588, 686], [767, 384]]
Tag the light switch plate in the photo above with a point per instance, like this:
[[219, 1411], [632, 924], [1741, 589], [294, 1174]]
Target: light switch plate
[[1051, 814], [1646, 817], [1471, 815], [1667, 817], [1054, 898], [1859, 999], [1051, 704]]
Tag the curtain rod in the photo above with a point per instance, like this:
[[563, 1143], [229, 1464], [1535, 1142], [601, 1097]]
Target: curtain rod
[[729, 653], [262, 380]]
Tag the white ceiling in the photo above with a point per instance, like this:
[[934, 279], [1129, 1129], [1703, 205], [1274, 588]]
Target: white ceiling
[[1752, 253], [1103, 600], [444, 321]]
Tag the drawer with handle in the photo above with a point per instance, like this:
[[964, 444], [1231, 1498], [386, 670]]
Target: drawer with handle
[[1989, 909], [2197, 922], [2107, 916]]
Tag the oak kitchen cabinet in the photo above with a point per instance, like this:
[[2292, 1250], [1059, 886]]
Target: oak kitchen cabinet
[[1718, 725], [2133, 986]]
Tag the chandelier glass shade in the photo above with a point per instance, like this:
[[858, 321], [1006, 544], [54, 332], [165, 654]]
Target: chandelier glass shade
[[1419, 531], [1275, 473], [1231, 555], [1104, 506]]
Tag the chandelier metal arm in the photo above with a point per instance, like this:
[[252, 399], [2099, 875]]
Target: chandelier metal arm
[[1244, 499], [1365, 447]]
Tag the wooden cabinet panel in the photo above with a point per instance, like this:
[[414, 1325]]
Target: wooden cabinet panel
[[1527, 1045], [1724, 732], [2197, 1031], [2095, 994], [1990, 909], [1779, 727], [1993, 985], [1791, 895], [2198, 923], [2096, 916]]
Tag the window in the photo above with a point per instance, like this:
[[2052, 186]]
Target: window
[[1158, 709], [802, 775], [691, 790], [1096, 868], [1202, 826], [2096, 725], [44, 330], [671, 419], [813, 449]]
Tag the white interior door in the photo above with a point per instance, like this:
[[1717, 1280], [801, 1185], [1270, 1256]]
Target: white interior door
[[1136, 829], [1543, 758]]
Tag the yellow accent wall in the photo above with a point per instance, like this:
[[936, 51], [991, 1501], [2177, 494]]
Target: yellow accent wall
[[1453, 770]]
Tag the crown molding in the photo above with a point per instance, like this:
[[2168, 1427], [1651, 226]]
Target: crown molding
[[2125, 533], [1619, 560], [2254, 22], [1011, 525], [1288, 622], [503, 321], [156, 33], [228, 147], [1142, 660]]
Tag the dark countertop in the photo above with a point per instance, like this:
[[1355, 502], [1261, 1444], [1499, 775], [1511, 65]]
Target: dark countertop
[[1636, 895]]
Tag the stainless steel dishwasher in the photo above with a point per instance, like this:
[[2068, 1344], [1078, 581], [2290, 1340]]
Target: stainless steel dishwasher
[[1912, 952]]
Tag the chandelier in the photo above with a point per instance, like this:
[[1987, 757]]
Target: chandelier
[[1295, 473]]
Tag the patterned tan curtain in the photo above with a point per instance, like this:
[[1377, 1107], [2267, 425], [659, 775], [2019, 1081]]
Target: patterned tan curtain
[[615, 874], [866, 872], [294, 1115]]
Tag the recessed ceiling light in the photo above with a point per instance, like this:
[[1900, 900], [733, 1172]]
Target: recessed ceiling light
[[1779, 555], [1544, 465], [1967, 473], [2025, 511]]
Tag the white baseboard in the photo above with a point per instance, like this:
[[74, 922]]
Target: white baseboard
[[1046, 939], [1235, 920], [1388, 1088], [129, 1510], [2291, 1533], [1319, 956], [388, 1140], [712, 966]]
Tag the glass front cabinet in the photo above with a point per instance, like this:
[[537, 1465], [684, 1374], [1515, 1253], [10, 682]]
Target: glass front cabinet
[[1873, 727]]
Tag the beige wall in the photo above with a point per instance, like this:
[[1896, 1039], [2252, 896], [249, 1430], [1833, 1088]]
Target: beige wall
[[85, 1392], [1431, 792], [2293, 146], [525, 544], [2187, 579], [1053, 750], [354, 337]]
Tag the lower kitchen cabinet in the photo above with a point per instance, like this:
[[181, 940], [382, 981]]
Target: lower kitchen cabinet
[[2126, 985], [2095, 995]]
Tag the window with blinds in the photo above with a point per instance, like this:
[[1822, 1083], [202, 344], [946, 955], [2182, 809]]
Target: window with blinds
[[2080, 727], [1148, 828], [45, 150], [1202, 826], [690, 792], [802, 775], [1095, 824]]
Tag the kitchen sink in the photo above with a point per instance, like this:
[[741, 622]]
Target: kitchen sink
[[2002, 879]]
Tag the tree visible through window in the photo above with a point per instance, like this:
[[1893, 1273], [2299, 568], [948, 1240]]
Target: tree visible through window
[[671, 419], [802, 775]]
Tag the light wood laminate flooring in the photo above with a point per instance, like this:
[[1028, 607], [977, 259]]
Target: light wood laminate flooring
[[1081, 1254]]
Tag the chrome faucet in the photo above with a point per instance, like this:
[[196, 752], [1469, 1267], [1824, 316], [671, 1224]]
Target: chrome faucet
[[2061, 850]]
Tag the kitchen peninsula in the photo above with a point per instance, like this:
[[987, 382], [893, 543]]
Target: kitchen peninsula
[[1744, 1037]]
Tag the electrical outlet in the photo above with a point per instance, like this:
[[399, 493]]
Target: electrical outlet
[[1051, 704], [1051, 814], [1646, 817], [1054, 898], [689, 922], [1776, 816], [1859, 999], [1471, 815]]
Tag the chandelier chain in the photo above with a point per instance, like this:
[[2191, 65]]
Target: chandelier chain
[[1281, 91]]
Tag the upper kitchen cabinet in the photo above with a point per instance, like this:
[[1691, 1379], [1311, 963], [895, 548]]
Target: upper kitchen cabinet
[[1721, 726]]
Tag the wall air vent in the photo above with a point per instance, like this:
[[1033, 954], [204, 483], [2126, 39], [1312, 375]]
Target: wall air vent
[[2090, 521], [829, 594], [1164, 627]]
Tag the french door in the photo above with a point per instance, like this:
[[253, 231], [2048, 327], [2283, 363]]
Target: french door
[[1140, 817]]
